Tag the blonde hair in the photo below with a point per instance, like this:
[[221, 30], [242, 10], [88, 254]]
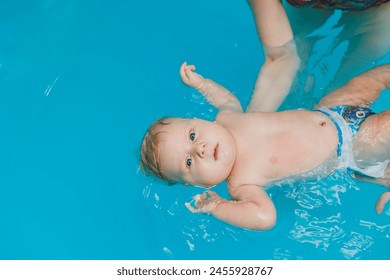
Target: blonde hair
[[149, 149]]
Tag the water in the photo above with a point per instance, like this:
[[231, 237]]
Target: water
[[80, 81]]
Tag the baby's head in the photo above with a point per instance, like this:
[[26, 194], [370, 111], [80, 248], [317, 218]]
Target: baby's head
[[149, 148], [193, 151]]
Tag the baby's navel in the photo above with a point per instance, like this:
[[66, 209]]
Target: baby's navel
[[323, 123], [273, 159]]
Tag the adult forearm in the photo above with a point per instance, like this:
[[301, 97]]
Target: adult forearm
[[272, 23], [275, 78]]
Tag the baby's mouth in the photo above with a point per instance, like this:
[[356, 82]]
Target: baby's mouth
[[216, 152]]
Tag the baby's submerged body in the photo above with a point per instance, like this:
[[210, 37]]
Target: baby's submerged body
[[300, 144], [278, 145], [255, 148]]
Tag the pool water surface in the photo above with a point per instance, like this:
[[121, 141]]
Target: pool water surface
[[80, 82]]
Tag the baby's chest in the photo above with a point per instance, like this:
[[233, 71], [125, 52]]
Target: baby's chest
[[258, 164], [248, 170]]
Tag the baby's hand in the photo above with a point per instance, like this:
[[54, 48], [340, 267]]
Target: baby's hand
[[189, 77], [380, 204], [205, 202]]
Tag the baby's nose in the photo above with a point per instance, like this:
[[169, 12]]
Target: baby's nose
[[200, 149]]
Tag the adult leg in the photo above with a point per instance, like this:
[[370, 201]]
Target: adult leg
[[361, 90], [368, 38]]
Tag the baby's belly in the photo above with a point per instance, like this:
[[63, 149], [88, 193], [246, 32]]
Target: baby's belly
[[317, 173], [302, 146]]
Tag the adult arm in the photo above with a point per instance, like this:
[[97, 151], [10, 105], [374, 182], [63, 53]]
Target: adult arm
[[281, 59]]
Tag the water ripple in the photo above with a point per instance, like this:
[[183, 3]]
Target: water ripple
[[356, 243], [319, 232], [385, 229]]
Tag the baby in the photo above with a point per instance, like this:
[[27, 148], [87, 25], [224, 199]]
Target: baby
[[255, 149]]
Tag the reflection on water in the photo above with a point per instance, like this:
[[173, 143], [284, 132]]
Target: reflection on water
[[328, 218], [383, 230], [356, 243], [319, 232], [314, 194], [282, 254], [324, 230], [317, 220]]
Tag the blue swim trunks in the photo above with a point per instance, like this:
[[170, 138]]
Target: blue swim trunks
[[347, 120], [349, 5], [353, 116]]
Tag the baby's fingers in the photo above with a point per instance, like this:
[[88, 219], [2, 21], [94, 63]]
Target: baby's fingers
[[191, 208], [182, 70], [186, 70], [191, 67], [200, 200], [185, 67], [212, 194]]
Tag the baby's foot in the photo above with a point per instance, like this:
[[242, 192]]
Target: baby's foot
[[383, 199]]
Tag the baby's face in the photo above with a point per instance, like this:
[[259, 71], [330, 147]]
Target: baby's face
[[196, 152]]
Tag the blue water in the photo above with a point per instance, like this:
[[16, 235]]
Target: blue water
[[80, 81]]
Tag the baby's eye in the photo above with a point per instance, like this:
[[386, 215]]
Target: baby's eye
[[189, 161], [192, 135]]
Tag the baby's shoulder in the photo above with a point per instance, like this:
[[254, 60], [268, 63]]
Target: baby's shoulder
[[240, 177], [229, 116]]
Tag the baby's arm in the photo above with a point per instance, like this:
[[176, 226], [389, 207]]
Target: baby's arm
[[281, 59], [251, 209], [216, 95], [363, 89]]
